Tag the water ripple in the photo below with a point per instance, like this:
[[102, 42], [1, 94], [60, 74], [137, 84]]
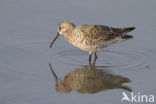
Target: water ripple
[[114, 59]]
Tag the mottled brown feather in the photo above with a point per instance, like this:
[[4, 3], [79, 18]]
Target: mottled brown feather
[[90, 37], [97, 31]]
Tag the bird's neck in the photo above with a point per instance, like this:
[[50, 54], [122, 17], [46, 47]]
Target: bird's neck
[[68, 34]]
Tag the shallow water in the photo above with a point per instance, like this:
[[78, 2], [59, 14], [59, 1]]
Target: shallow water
[[27, 28]]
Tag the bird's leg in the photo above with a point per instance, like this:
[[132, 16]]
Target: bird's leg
[[90, 57], [95, 57]]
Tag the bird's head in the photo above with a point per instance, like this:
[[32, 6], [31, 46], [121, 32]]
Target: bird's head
[[63, 28]]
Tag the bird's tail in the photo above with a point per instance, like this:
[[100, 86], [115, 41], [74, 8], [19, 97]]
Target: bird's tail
[[126, 30], [126, 37], [123, 30], [125, 88]]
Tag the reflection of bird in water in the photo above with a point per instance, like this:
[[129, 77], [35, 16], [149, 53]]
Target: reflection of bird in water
[[89, 80]]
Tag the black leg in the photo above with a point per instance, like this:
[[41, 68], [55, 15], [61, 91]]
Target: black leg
[[95, 57], [90, 58]]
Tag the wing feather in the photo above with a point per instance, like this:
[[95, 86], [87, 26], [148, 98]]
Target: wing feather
[[96, 34]]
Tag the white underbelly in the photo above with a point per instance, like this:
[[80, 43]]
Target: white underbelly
[[93, 48]]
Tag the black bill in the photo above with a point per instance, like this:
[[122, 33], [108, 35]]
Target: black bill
[[57, 35]]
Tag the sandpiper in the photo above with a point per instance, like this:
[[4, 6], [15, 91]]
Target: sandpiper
[[91, 38]]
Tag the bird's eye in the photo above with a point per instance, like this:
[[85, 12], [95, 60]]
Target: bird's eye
[[59, 28]]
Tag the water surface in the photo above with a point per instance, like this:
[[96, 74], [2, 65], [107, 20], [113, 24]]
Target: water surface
[[27, 28]]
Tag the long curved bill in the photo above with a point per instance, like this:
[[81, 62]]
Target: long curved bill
[[57, 35]]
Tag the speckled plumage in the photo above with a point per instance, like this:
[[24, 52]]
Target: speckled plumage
[[90, 37]]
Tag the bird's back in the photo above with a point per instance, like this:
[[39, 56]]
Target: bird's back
[[89, 36], [98, 31]]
